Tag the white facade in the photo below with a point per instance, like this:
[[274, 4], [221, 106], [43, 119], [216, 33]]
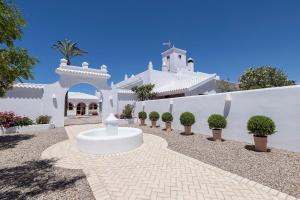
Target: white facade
[[83, 104], [176, 77], [33, 100]]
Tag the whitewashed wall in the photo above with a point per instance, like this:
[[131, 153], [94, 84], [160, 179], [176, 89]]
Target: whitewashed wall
[[281, 104], [49, 101]]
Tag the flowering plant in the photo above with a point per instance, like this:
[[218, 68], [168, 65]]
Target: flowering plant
[[10, 119]]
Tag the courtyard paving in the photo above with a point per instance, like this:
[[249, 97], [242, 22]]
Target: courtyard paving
[[78, 120], [153, 171]]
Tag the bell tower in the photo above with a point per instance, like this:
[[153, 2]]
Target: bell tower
[[174, 60]]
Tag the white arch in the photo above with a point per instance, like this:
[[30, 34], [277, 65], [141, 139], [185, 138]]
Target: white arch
[[71, 75]]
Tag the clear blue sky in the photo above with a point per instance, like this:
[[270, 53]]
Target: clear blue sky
[[223, 37]]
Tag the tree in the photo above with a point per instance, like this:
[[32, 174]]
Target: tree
[[68, 49], [15, 63], [264, 77], [144, 92]]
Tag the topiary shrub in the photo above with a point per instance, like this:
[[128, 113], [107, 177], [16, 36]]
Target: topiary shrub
[[261, 126], [154, 116], [187, 119], [43, 119], [217, 121], [142, 115], [167, 117]]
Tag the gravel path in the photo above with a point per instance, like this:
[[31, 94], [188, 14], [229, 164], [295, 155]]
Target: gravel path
[[24, 176], [278, 169]]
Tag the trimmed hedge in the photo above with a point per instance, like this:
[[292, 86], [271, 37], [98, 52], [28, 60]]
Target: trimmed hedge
[[154, 116], [43, 119], [187, 119], [142, 115], [216, 121], [167, 117], [261, 126]]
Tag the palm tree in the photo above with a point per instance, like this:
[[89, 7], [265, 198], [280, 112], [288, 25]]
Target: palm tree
[[68, 49]]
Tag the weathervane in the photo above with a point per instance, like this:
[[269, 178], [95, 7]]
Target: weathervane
[[168, 44]]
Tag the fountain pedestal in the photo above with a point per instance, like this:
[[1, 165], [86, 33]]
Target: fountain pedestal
[[111, 139], [111, 125]]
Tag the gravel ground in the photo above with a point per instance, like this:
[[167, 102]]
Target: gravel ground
[[278, 169], [23, 175]]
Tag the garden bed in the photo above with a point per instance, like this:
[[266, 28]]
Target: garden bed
[[24, 129], [277, 169]]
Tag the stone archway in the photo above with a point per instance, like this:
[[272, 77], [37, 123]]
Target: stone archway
[[74, 75]]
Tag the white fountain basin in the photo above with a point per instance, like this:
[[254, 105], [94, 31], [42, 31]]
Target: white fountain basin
[[97, 141]]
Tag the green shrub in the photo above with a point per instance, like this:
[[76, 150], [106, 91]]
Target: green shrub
[[26, 121], [142, 115], [154, 116], [187, 119], [261, 125], [10, 119], [127, 112], [43, 119], [216, 121], [167, 117]]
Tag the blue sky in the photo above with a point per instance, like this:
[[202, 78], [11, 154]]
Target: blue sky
[[223, 37]]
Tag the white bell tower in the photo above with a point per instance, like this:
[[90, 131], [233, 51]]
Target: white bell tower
[[174, 60]]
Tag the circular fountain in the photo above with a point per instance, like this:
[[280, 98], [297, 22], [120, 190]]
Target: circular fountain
[[111, 139]]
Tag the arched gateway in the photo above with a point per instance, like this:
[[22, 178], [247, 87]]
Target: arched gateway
[[33, 100], [73, 75]]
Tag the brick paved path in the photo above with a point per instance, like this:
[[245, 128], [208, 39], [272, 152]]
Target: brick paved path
[[154, 172]]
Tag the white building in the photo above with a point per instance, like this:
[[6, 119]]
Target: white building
[[175, 78], [83, 104]]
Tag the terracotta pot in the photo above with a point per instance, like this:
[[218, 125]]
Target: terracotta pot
[[168, 126], [142, 122], [217, 134], [187, 130], [153, 124], [260, 143]]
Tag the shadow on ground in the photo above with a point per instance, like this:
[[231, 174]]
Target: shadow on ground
[[212, 139], [252, 148], [10, 141], [32, 178]]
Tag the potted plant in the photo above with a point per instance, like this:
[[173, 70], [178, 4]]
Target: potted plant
[[142, 116], [187, 119], [167, 118], [153, 116], [261, 126], [216, 123]]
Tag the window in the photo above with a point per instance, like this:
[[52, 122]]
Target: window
[[168, 57], [93, 106], [179, 56], [70, 106]]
